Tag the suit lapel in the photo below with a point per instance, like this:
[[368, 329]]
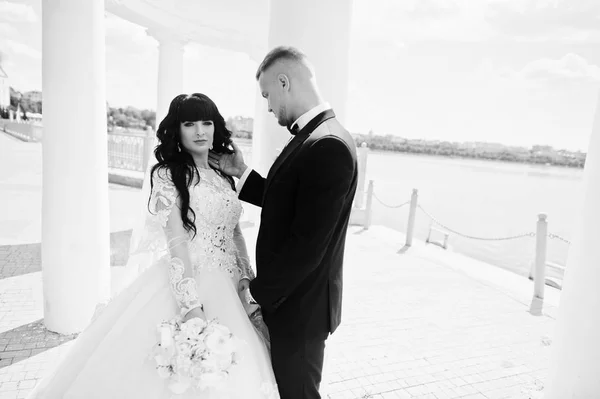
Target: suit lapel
[[296, 142]]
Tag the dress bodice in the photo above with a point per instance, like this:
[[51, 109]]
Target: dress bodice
[[217, 212]]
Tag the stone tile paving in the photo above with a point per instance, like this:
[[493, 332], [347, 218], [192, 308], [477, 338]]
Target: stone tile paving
[[413, 328], [16, 260], [416, 329], [28, 340]]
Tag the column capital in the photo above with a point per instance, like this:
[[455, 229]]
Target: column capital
[[163, 35]]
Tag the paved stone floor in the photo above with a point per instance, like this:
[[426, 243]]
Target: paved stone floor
[[413, 327]]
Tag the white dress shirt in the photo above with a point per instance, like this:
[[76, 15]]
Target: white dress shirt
[[301, 122]]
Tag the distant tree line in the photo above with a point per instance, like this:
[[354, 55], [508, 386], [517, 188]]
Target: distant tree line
[[242, 127], [130, 118], [26, 105], [538, 154]]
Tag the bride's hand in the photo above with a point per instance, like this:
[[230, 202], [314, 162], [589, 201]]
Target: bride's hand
[[230, 164], [196, 312], [243, 290]]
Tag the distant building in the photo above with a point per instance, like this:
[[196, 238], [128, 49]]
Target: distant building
[[398, 140], [33, 96], [241, 123], [4, 89]]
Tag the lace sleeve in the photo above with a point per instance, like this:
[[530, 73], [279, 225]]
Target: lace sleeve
[[243, 259], [164, 205]]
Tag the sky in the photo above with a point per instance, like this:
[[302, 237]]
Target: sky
[[518, 72]]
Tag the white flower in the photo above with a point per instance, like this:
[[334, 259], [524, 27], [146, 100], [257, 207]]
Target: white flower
[[193, 327], [161, 360], [180, 385], [194, 353], [164, 372], [184, 348], [209, 364], [183, 363], [220, 328], [219, 340], [166, 335], [196, 371], [199, 348], [212, 380], [224, 361]]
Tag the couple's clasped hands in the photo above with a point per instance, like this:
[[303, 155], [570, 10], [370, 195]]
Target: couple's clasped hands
[[244, 292]]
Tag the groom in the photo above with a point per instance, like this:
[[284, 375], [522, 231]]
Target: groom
[[306, 201]]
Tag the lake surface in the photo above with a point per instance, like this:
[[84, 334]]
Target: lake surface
[[478, 198]]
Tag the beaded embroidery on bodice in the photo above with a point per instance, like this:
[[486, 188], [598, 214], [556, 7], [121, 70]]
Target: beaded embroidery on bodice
[[218, 211]]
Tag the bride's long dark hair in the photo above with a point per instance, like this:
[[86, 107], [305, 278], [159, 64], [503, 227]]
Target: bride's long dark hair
[[172, 156]]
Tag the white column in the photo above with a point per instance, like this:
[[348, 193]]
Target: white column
[[170, 70], [321, 29], [75, 212], [575, 361]]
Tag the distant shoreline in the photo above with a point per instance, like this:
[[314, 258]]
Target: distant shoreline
[[536, 155], [490, 159], [548, 157]]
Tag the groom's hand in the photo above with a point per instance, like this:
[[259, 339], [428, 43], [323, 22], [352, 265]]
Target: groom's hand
[[243, 285], [230, 164], [250, 305]]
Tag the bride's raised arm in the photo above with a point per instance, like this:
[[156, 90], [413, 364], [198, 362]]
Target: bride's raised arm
[[165, 205]]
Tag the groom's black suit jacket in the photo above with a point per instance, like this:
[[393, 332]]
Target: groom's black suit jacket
[[306, 201]]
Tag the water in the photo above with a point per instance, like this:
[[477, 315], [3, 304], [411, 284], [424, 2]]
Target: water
[[477, 198]]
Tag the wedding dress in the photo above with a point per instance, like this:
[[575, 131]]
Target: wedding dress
[[112, 358]]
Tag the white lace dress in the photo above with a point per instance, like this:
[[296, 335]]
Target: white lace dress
[[111, 358]]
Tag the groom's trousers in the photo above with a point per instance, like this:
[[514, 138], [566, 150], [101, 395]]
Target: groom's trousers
[[298, 364]]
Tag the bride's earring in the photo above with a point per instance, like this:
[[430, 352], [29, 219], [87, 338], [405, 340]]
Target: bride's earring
[[211, 147], [178, 148]]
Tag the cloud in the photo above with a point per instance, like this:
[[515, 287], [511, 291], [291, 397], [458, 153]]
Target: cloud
[[487, 72], [423, 20], [16, 13], [13, 48], [570, 69], [434, 9], [535, 20], [564, 21]]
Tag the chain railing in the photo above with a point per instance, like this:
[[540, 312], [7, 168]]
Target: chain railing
[[390, 206], [436, 221], [445, 227], [541, 234], [557, 237]]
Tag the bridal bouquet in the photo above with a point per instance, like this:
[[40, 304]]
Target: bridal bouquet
[[194, 354]]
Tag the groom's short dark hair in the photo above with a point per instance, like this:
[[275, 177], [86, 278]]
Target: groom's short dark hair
[[280, 53]]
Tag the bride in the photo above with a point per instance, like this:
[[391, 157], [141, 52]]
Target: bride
[[201, 270]]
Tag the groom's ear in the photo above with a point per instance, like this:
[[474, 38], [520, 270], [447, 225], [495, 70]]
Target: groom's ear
[[283, 81]]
